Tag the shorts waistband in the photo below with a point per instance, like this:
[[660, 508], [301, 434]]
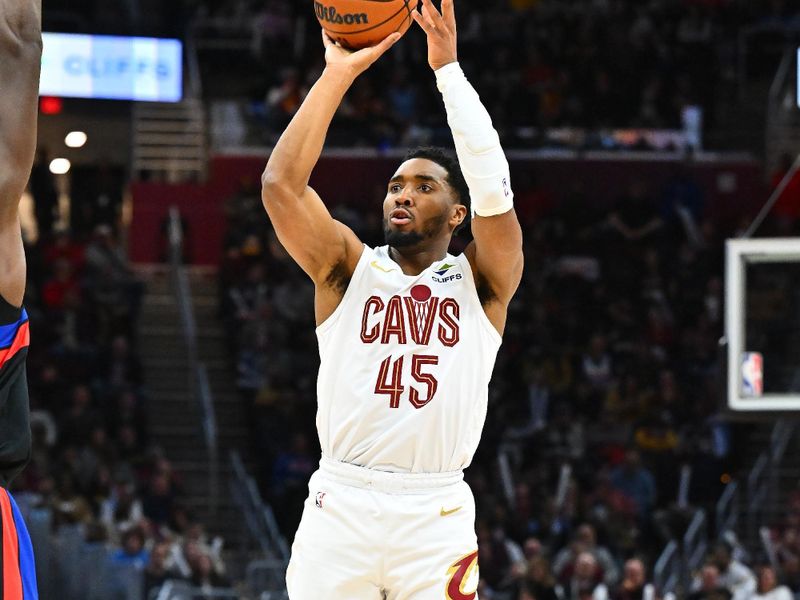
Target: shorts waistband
[[386, 481]]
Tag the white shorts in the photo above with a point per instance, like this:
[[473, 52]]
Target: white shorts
[[372, 535]]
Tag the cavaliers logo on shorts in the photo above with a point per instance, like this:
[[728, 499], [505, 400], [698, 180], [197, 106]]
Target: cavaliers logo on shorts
[[462, 581]]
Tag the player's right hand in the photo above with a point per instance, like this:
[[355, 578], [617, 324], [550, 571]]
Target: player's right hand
[[351, 63]]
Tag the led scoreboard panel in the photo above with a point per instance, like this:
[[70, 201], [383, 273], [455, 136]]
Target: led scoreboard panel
[[111, 67]]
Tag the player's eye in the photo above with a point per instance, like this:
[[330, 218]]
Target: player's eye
[[394, 188], [425, 188]]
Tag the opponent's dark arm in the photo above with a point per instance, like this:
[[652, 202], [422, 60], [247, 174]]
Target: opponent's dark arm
[[20, 63]]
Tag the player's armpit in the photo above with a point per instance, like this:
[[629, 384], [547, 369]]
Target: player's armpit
[[311, 236], [12, 262], [496, 254]]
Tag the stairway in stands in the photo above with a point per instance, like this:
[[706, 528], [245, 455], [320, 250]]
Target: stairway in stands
[[785, 481], [175, 418], [170, 139]]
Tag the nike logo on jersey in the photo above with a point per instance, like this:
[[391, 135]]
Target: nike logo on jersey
[[374, 264], [445, 513]]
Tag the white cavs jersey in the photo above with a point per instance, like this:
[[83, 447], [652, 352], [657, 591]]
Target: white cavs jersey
[[405, 368]]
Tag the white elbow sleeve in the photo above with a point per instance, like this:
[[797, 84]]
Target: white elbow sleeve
[[482, 159]]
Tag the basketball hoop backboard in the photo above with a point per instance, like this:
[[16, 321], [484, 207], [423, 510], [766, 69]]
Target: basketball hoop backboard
[[762, 324]]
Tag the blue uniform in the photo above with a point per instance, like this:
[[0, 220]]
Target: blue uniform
[[16, 552]]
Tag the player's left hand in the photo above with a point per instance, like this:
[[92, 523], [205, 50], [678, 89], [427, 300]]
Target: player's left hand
[[440, 28]]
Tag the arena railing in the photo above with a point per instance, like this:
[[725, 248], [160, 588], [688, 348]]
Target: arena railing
[[695, 546], [266, 574], [70, 568], [727, 510], [194, 78], [744, 505], [769, 548], [197, 373], [781, 34], [667, 570], [782, 129], [762, 481], [506, 476], [180, 590]]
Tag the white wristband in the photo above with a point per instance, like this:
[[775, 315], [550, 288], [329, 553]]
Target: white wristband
[[482, 159]]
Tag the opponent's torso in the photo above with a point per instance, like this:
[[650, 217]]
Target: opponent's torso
[[15, 436], [405, 367]]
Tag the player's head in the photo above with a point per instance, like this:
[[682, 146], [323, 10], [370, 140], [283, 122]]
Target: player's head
[[427, 198]]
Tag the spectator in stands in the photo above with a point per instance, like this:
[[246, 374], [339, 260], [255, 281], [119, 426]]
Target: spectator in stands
[[634, 218], [500, 557], [733, 575], [64, 282], [284, 99], [537, 580], [596, 364], [157, 572], [586, 581], [791, 573], [585, 540], [636, 482], [159, 498], [768, 588], [69, 507], [119, 367], [205, 577], [113, 284], [80, 419], [133, 551], [708, 586], [634, 585], [122, 510]]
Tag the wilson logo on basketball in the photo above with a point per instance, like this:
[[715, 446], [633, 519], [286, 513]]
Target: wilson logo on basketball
[[329, 15]]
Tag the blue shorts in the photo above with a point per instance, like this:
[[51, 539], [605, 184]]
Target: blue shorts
[[16, 554]]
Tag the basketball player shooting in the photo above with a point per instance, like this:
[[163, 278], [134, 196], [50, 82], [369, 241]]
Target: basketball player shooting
[[408, 336], [20, 61]]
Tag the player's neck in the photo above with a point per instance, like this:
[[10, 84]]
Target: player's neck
[[413, 260]]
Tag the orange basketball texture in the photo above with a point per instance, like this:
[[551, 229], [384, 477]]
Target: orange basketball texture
[[360, 23]]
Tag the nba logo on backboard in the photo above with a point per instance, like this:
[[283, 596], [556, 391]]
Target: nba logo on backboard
[[752, 374]]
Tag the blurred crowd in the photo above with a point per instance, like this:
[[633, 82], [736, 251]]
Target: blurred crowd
[[591, 64], [552, 65], [94, 467], [607, 384]]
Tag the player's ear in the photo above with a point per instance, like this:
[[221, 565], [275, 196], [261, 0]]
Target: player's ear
[[458, 215]]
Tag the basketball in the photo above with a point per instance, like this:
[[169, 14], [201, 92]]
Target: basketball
[[361, 23]]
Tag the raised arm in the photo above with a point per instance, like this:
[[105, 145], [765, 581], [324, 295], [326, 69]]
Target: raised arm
[[20, 62], [321, 246], [496, 253]]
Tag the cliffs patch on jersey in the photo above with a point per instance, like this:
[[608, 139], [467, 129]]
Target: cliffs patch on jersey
[[446, 273], [411, 319]]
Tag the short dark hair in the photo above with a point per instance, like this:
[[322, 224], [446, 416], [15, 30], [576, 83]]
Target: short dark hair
[[455, 178]]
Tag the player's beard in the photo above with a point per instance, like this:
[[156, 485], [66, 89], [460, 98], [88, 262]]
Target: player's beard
[[403, 239]]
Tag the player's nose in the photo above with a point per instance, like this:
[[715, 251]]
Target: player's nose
[[404, 199]]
